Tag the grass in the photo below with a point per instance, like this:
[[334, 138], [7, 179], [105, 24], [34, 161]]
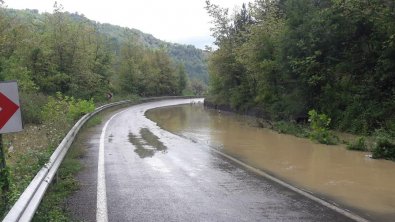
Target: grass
[[52, 207], [359, 144], [94, 121], [26, 152], [291, 128]]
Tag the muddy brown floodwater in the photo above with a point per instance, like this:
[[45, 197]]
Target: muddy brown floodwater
[[347, 178]]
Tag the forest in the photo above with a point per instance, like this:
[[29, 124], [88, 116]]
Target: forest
[[287, 57], [68, 53]]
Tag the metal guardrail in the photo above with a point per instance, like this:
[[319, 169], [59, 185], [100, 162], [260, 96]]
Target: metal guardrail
[[27, 204]]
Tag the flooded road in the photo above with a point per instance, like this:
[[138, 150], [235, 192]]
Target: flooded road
[[145, 173], [351, 179]]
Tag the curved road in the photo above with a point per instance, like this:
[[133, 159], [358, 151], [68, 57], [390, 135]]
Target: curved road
[[130, 175]]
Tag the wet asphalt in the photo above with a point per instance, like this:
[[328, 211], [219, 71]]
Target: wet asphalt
[[179, 181]]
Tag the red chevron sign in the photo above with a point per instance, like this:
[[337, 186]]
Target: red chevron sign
[[10, 114], [7, 109]]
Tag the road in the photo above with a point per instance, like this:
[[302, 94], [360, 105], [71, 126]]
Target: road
[[130, 175]]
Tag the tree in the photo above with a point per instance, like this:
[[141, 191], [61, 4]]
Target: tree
[[197, 87], [291, 56], [182, 78]]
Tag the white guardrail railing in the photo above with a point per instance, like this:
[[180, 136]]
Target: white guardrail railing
[[27, 204]]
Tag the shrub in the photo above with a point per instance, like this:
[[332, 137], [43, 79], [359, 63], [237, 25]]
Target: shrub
[[290, 128], [358, 144], [60, 113], [31, 107], [319, 124], [80, 107], [56, 109], [384, 147], [61, 106]]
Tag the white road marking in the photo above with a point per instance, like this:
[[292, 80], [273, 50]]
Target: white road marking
[[101, 207]]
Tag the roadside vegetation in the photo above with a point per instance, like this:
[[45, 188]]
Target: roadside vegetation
[[331, 62], [53, 206], [29, 150]]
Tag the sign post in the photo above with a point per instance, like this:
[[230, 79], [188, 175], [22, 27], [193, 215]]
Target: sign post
[[10, 121]]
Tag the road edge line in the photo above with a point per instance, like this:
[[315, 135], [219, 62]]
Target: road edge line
[[101, 201], [293, 188]]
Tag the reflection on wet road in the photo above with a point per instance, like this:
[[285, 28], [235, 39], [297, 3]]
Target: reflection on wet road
[[154, 175], [365, 185], [147, 144]]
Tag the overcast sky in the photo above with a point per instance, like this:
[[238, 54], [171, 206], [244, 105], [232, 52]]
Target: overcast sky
[[178, 21]]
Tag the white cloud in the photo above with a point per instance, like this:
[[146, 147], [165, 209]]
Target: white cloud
[[181, 21]]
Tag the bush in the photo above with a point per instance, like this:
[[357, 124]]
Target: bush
[[319, 124], [384, 147], [290, 128], [358, 144], [60, 113], [56, 109], [80, 107], [31, 107], [61, 106]]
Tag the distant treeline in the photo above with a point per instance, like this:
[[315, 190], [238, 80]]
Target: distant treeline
[[287, 57], [68, 53]]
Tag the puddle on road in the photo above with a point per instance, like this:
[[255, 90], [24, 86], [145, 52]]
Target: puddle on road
[[152, 140], [346, 177], [147, 144]]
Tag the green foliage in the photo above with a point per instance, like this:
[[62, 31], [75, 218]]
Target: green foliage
[[68, 53], [384, 149], [290, 128], [298, 55], [66, 108], [60, 112], [22, 172], [197, 87], [319, 124], [94, 121], [182, 79], [78, 108], [35, 145], [147, 72], [384, 146], [56, 110], [193, 60], [359, 144], [51, 208], [31, 107], [13, 70]]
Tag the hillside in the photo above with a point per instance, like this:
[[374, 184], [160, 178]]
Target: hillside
[[194, 59]]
